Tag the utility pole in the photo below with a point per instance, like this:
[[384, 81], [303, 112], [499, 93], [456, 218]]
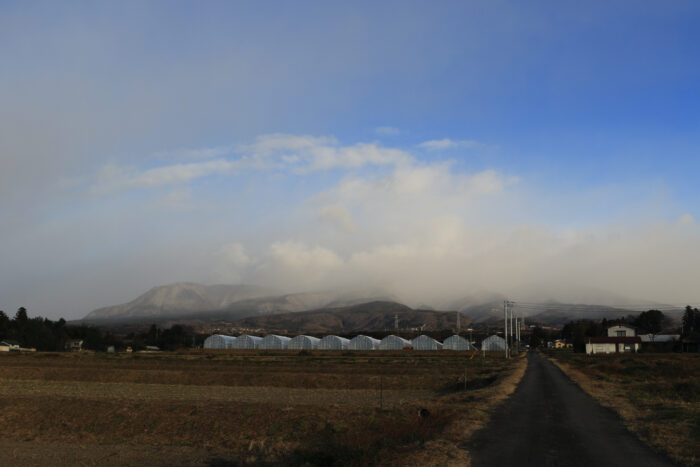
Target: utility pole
[[505, 324], [458, 326], [396, 321]]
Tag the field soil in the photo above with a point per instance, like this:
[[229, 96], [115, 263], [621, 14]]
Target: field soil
[[549, 421], [247, 408], [656, 395]]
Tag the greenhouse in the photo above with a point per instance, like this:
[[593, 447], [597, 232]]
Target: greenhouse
[[457, 343], [333, 343], [394, 343], [303, 343], [363, 343], [425, 343], [274, 342], [219, 341], [493, 343], [244, 341]]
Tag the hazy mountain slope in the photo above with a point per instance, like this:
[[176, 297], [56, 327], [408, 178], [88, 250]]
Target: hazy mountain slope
[[228, 302], [378, 315], [177, 299]]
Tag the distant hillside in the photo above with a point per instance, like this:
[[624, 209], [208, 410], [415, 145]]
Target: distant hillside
[[226, 302], [179, 299], [378, 315]]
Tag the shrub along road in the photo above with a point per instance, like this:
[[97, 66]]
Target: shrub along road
[[550, 421]]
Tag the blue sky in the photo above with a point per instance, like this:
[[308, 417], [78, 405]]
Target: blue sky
[[143, 143]]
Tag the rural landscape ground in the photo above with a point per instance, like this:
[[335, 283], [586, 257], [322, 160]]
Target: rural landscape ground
[[247, 407], [344, 408]]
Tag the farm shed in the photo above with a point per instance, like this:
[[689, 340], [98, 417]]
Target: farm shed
[[333, 343], [457, 342], [244, 341], [303, 343], [394, 343], [219, 341], [425, 343], [274, 342], [363, 343], [494, 344]]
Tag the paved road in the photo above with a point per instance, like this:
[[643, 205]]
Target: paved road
[[550, 421]]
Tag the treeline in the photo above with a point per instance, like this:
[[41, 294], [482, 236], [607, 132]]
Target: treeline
[[647, 322], [44, 334]]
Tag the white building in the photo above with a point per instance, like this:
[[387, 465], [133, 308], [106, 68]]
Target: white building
[[219, 341], [394, 343], [274, 342], [333, 343], [621, 331], [606, 345], [244, 341], [303, 343], [425, 343], [363, 343]]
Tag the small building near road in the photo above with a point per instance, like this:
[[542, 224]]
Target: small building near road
[[8, 345], [609, 344], [74, 345]]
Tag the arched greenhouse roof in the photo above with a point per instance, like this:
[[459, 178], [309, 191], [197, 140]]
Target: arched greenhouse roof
[[363, 343], [244, 341], [457, 342], [333, 343], [303, 343], [425, 343], [274, 342], [394, 343]]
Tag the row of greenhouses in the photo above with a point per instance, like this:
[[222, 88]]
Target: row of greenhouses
[[361, 342]]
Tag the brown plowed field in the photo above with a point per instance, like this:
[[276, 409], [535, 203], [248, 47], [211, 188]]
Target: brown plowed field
[[245, 407]]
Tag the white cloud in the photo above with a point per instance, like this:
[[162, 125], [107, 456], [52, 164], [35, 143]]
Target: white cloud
[[339, 216], [446, 143], [686, 219], [298, 154], [200, 153], [387, 131]]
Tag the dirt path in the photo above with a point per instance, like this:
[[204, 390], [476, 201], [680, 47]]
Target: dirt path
[[550, 421]]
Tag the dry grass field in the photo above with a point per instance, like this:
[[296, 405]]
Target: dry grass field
[[239, 408], [657, 395]]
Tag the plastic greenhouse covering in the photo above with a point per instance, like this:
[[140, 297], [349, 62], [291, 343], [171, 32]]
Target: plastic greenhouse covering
[[245, 341], [425, 343], [363, 343], [394, 343], [457, 343], [493, 343], [303, 343], [333, 343], [274, 342], [219, 341]]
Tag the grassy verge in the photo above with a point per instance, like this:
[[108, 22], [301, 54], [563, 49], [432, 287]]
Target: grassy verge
[[657, 395]]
